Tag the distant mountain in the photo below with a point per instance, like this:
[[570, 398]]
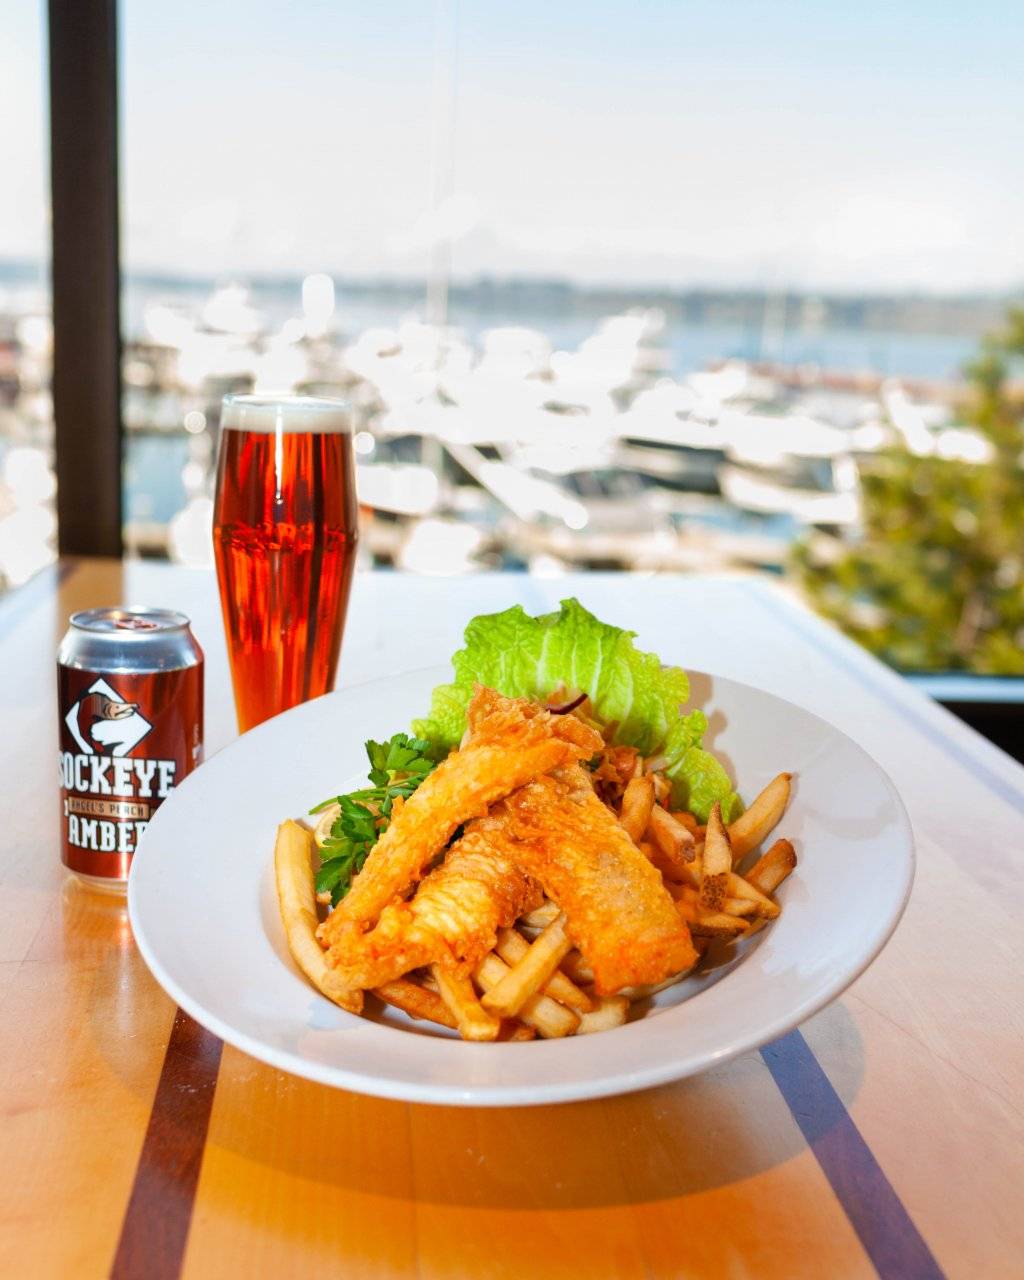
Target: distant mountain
[[967, 315]]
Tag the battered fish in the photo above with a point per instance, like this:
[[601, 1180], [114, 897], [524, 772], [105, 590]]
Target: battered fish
[[509, 742], [453, 917], [618, 911]]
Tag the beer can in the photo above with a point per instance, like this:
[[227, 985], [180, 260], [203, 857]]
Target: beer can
[[130, 702]]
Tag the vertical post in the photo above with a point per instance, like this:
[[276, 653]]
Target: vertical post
[[86, 275]]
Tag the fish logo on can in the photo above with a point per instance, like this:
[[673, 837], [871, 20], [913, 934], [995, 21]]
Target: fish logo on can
[[130, 692], [101, 722]]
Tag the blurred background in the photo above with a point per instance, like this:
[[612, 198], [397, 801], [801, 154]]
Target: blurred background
[[644, 287]]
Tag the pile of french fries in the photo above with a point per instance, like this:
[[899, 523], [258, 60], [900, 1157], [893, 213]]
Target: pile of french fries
[[534, 982]]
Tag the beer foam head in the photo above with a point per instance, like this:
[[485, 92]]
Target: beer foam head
[[285, 413]]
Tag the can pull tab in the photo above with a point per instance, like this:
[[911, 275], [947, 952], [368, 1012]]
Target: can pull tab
[[135, 624]]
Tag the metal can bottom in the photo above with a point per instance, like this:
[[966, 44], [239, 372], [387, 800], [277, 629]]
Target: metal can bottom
[[101, 884]]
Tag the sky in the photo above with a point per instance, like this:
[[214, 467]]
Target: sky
[[792, 143]]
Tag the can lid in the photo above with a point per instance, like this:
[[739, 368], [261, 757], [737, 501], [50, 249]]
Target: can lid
[[128, 621]]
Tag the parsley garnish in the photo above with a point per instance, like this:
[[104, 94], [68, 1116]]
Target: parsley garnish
[[397, 768]]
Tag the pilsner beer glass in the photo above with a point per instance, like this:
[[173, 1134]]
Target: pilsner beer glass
[[285, 527]]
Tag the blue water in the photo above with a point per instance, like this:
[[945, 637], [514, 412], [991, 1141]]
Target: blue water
[[912, 355], [691, 347], [688, 347], [152, 477]]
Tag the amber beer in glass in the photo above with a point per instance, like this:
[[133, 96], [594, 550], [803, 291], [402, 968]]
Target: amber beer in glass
[[284, 536]]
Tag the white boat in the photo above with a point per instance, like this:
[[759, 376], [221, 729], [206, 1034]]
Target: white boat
[[758, 492]]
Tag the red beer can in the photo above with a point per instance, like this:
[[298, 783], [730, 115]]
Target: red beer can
[[130, 701]]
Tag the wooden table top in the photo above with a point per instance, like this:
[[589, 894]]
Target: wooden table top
[[884, 1137]]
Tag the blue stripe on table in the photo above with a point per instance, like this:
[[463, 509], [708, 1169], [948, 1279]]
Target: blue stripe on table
[[876, 1213], [159, 1213]]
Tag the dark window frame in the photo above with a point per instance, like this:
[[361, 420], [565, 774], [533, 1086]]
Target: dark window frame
[[86, 276]]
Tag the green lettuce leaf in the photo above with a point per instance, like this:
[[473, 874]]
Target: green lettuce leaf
[[526, 657], [698, 780]]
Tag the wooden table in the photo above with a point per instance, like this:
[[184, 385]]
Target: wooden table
[[883, 1137]]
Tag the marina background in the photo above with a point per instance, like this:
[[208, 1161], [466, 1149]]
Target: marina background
[[648, 287], [589, 359]]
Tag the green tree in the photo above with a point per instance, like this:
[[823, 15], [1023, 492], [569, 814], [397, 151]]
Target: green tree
[[935, 579]]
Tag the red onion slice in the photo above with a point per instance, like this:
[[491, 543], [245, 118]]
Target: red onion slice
[[568, 706]]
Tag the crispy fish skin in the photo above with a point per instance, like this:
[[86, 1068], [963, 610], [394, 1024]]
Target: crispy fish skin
[[510, 742], [452, 919], [618, 911]]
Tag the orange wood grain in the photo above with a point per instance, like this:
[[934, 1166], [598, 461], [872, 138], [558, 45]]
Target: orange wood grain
[[82, 1034], [672, 1182], [299, 1178]]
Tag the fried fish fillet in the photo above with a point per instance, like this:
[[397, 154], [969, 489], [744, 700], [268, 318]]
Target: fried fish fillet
[[453, 917], [618, 911], [509, 742]]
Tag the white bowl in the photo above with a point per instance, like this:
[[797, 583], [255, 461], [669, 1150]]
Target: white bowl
[[203, 908]]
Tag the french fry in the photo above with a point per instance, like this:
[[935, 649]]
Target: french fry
[[513, 947], [762, 905], [653, 854], [541, 916], [769, 871], [550, 1019], [296, 900], [705, 924], [662, 788], [610, 1012], [716, 924], [673, 841], [530, 974], [637, 803], [717, 863], [688, 821], [751, 827], [681, 875], [739, 906], [577, 969], [474, 1021], [669, 834], [416, 1002], [687, 905], [672, 872], [513, 1029]]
